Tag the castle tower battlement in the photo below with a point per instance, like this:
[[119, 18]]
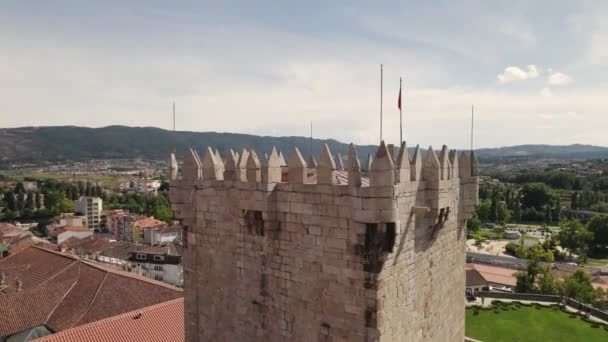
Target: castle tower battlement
[[280, 250]]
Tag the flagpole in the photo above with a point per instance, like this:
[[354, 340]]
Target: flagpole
[[472, 123], [380, 102], [400, 115], [311, 138], [174, 135]]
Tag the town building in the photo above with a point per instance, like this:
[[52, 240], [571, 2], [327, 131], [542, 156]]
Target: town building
[[45, 292], [162, 263], [495, 278], [475, 282], [62, 234], [163, 234], [338, 258], [140, 225], [118, 222], [91, 208]]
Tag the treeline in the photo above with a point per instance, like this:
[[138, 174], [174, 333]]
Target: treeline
[[540, 278], [53, 197], [157, 206], [563, 180], [502, 203]]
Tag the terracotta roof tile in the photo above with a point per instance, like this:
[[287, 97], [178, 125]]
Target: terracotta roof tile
[[160, 322], [148, 222], [30, 308], [70, 292], [496, 275]]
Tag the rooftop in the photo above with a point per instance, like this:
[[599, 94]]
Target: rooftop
[[148, 222], [60, 291], [495, 275], [160, 322], [60, 230]]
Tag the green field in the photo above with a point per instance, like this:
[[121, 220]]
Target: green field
[[528, 323]]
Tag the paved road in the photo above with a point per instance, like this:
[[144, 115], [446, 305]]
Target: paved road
[[496, 260]]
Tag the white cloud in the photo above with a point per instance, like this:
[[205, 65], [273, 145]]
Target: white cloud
[[559, 78], [513, 73], [546, 92]]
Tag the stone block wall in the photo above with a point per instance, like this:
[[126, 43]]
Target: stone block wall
[[270, 257]]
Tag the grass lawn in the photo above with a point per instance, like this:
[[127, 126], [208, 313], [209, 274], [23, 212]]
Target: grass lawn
[[597, 262], [527, 323]]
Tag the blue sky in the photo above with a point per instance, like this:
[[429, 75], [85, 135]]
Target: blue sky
[[535, 71]]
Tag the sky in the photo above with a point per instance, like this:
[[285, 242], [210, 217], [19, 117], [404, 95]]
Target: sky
[[535, 71]]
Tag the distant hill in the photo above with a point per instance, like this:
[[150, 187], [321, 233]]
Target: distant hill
[[61, 143]]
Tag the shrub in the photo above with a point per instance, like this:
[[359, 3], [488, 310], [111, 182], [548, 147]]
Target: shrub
[[496, 311]]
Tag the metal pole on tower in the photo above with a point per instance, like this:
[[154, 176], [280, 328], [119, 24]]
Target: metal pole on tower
[[400, 116], [472, 125], [381, 102], [310, 139], [174, 134]]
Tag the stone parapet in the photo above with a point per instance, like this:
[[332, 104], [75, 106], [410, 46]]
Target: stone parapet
[[278, 251]]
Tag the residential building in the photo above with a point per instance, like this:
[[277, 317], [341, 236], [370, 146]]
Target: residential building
[[162, 263], [119, 222], [117, 255], [60, 235], [496, 278], [89, 247], [70, 219], [48, 292], [475, 282], [138, 227], [91, 208], [159, 322], [163, 234]]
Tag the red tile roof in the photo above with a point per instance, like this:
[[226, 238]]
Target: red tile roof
[[494, 274], [160, 322], [148, 222], [60, 230], [67, 292]]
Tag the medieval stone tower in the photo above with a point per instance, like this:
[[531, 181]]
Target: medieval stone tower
[[282, 251]]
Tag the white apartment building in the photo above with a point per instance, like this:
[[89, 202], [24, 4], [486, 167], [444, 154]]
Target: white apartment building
[[91, 208]]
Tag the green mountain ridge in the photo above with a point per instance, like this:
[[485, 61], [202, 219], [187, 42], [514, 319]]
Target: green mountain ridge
[[63, 143]]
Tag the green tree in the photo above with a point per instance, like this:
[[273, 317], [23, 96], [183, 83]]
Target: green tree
[[574, 236], [30, 202], [536, 195], [494, 207], [546, 281], [483, 210], [578, 286], [526, 281], [473, 224], [598, 225], [503, 215]]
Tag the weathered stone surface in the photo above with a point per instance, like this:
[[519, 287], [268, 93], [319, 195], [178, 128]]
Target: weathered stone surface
[[382, 170], [297, 168], [402, 172], [326, 170], [269, 261], [416, 165], [354, 167], [254, 168]]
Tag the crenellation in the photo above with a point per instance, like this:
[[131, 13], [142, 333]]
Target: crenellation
[[253, 168], [297, 168], [326, 170], [277, 252], [416, 165]]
